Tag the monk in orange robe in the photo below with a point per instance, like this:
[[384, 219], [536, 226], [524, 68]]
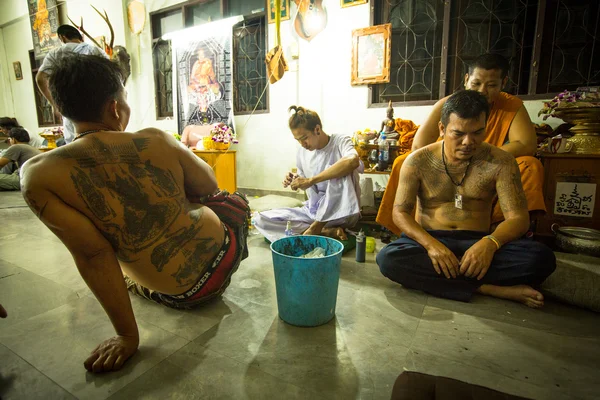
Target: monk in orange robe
[[203, 81], [508, 127]]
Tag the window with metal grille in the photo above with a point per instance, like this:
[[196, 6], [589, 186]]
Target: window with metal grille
[[45, 112], [163, 23], [249, 70], [552, 45]]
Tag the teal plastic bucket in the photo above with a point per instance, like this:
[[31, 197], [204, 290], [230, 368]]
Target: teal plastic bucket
[[306, 287]]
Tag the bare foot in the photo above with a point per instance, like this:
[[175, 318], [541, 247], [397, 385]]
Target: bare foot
[[335, 233], [520, 293], [313, 231]]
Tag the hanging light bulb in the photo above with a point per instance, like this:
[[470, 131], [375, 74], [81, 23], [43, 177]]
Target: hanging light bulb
[[315, 22]]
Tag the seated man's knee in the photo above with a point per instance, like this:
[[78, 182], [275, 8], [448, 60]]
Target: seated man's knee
[[257, 220], [383, 260], [543, 259], [394, 259], [260, 221]]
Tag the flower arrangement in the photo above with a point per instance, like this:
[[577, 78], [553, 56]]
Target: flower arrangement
[[221, 133], [582, 98], [560, 100], [365, 135], [54, 131]]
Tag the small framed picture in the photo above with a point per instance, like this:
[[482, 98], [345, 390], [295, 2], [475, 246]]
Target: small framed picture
[[285, 10], [18, 71], [371, 53], [350, 3]]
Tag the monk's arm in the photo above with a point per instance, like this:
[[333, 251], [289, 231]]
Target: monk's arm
[[343, 167], [428, 132], [406, 201], [513, 204], [93, 254], [521, 136]]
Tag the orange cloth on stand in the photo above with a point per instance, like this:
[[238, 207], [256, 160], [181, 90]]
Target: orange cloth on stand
[[502, 113], [406, 129]]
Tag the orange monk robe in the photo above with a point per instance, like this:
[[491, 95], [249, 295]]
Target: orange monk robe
[[501, 116], [406, 129]]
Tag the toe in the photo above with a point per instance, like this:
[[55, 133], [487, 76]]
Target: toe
[[539, 297], [534, 303]]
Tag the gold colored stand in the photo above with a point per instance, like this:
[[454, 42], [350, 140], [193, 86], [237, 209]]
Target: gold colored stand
[[586, 132], [51, 138]]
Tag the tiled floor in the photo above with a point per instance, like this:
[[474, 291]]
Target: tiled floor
[[238, 348]]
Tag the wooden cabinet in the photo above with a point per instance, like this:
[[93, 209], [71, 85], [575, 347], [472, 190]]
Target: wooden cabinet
[[571, 190], [223, 163]]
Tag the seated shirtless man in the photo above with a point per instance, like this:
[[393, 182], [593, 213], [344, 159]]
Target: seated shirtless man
[[508, 127], [449, 251], [137, 204], [328, 170]]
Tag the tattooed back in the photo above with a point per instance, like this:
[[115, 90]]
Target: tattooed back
[[492, 172], [132, 187]]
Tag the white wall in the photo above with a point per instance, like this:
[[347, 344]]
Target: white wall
[[319, 80]]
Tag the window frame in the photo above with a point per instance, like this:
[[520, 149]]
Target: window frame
[[444, 81], [267, 110], [38, 96]]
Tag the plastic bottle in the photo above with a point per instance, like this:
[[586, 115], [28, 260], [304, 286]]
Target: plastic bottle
[[361, 245], [288, 229], [384, 152], [252, 231]]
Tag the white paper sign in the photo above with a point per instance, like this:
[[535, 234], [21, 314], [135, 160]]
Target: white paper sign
[[575, 199]]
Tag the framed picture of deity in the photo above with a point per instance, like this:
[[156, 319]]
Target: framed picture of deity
[[371, 54], [285, 10], [44, 20], [350, 3]]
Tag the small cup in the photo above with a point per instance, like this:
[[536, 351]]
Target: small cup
[[370, 248], [558, 144]]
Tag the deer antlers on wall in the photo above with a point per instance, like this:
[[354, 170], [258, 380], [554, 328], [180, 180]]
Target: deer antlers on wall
[[118, 54]]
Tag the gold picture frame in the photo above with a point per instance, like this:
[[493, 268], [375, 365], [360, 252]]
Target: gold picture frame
[[371, 55], [18, 70], [285, 10], [350, 3]]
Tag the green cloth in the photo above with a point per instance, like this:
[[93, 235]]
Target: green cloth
[[10, 182]]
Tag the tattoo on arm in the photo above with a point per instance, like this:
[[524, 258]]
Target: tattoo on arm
[[510, 189], [35, 207], [406, 206], [408, 185]]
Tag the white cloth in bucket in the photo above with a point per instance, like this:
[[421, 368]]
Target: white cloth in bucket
[[317, 252]]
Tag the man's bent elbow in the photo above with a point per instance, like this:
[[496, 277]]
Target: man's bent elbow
[[85, 256], [40, 79], [399, 217], [354, 162], [530, 149], [520, 224], [212, 187]]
